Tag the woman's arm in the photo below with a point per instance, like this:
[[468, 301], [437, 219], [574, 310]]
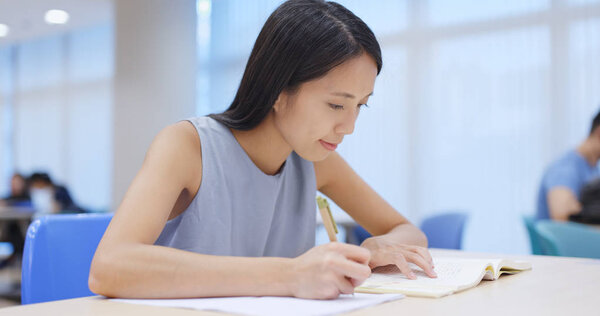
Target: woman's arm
[[128, 264], [395, 240], [562, 202]]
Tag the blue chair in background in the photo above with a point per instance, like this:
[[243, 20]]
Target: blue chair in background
[[57, 256], [360, 234], [568, 239], [534, 238], [445, 230], [442, 231]]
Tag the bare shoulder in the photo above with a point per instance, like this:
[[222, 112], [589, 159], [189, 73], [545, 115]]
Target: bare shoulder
[[176, 150], [180, 133]]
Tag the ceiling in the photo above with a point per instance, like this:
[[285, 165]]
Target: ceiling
[[25, 18]]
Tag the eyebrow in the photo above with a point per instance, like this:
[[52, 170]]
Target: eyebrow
[[348, 95]]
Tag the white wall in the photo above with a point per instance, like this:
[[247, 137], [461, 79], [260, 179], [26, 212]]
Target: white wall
[[155, 79], [6, 92], [69, 120], [61, 105]]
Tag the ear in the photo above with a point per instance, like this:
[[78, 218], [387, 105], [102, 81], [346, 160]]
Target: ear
[[280, 102]]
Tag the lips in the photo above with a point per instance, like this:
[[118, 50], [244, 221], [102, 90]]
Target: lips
[[328, 146]]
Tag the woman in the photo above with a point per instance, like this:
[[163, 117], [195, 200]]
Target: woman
[[19, 195], [225, 205]]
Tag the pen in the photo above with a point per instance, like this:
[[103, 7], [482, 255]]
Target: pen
[[328, 220]]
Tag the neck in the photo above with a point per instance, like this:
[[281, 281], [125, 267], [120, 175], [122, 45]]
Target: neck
[[264, 145], [590, 150]]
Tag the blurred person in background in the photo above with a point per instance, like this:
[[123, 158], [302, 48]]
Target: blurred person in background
[[11, 231], [19, 194], [48, 197], [563, 180], [44, 196]]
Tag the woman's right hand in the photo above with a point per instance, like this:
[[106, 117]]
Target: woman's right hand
[[326, 271]]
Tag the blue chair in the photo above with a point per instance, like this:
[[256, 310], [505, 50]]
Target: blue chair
[[360, 234], [445, 230], [442, 231], [57, 256], [534, 238], [568, 239]]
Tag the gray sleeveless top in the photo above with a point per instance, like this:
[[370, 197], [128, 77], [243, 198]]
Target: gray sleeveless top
[[241, 211]]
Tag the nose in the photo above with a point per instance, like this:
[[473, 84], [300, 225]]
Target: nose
[[346, 125]]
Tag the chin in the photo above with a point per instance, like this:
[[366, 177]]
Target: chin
[[314, 156]]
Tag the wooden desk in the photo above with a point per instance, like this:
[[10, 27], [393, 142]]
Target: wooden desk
[[555, 286]]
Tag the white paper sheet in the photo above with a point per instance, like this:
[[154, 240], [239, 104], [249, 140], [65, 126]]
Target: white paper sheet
[[269, 305]]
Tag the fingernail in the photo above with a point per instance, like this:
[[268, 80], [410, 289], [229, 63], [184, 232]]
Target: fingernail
[[412, 276]]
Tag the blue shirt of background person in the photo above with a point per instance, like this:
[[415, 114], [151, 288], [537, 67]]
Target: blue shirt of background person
[[570, 172], [562, 182]]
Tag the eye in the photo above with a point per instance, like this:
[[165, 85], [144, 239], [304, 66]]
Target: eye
[[336, 106], [363, 105]]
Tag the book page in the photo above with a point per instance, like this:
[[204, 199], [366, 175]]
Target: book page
[[454, 274], [504, 266]]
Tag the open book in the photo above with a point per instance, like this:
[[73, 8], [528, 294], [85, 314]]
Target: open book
[[454, 275]]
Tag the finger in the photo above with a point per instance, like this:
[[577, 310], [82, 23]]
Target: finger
[[422, 252], [344, 285], [355, 282], [402, 264], [421, 262], [352, 269], [425, 254], [352, 252]]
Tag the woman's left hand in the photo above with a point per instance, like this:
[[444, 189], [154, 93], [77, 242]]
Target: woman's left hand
[[385, 251]]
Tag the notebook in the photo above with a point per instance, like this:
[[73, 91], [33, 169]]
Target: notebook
[[454, 275]]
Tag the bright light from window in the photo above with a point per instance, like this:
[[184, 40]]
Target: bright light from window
[[56, 17], [203, 7], [3, 30]]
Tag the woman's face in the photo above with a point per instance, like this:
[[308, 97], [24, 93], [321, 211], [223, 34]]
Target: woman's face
[[314, 119], [17, 185]]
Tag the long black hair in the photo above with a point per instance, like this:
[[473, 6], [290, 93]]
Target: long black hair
[[300, 41], [595, 123]]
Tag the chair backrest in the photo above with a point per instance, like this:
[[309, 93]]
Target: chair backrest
[[445, 230], [360, 234], [57, 256], [568, 239], [534, 239]]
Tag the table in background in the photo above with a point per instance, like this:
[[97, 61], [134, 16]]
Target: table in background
[[22, 215], [8, 213], [555, 286]]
